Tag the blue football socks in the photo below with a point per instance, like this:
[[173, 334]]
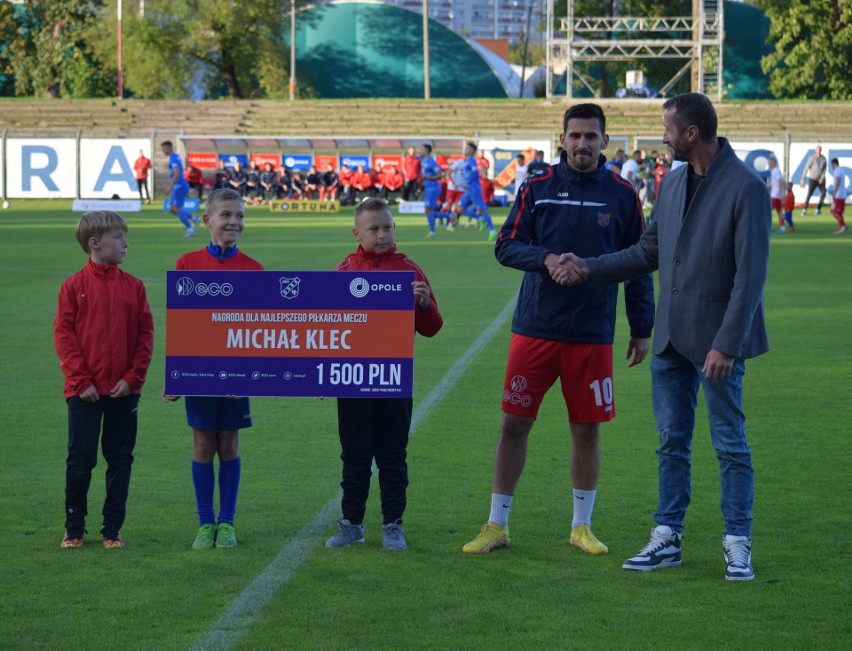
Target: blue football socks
[[488, 223], [203, 480], [430, 217], [229, 486], [185, 218]]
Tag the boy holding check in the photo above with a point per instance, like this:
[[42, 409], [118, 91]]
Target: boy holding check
[[216, 421], [378, 427]]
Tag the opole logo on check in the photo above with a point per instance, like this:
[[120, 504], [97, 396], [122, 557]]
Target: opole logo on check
[[359, 287]]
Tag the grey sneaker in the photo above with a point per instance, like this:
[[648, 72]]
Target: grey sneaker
[[347, 534], [393, 537], [738, 558]]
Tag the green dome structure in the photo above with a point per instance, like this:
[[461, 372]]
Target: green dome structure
[[746, 31], [365, 49]]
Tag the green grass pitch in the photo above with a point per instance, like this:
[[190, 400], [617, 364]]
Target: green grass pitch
[[158, 593]]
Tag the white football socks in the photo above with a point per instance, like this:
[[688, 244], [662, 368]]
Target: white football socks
[[500, 505], [584, 502]]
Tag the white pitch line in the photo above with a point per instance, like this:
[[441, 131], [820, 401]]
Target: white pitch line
[[237, 619]]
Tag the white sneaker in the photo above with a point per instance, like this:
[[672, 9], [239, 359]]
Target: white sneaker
[[189, 232], [737, 558], [664, 550], [841, 230], [782, 229]]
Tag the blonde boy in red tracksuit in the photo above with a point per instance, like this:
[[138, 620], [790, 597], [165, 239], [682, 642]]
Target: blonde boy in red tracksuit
[[104, 335], [378, 427]]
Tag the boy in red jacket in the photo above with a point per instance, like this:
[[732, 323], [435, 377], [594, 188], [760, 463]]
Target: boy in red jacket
[[789, 205], [104, 335], [378, 427]]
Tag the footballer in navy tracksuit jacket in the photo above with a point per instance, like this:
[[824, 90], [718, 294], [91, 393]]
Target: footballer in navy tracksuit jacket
[[589, 214]]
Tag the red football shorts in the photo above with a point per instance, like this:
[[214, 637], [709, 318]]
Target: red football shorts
[[453, 196], [776, 204], [584, 369]]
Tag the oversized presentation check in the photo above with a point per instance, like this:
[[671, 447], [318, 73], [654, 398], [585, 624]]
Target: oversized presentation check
[[290, 333]]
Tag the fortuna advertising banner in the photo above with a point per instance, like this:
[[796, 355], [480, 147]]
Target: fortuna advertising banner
[[290, 333]]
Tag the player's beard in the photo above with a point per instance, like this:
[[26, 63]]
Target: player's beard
[[588, 162]]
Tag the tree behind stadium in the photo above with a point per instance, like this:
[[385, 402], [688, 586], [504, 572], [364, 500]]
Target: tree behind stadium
[[813, 48], [211, 48], [177, 49], [44, 50]]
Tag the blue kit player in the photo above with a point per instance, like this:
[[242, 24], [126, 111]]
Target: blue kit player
[[178, 188], [472, 195], [432, 174]]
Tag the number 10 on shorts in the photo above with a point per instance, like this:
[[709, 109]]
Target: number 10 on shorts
[[603, 391]]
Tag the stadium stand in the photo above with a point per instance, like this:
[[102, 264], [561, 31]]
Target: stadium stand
[[466, 118]]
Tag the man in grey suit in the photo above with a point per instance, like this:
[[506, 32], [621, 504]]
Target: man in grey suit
[[709, 239]]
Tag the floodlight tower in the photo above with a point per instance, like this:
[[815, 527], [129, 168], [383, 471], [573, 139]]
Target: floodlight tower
[[118, 40], [699, 38]]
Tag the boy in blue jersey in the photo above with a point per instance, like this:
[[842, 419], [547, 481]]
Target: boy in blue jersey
[[178, 188], [216, 421], [575, 204], [432, 174], [472, 195]]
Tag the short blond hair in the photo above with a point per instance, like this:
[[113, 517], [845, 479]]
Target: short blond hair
[[97, 224], [372, 204]]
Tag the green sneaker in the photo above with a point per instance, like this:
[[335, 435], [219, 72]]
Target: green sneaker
[[206, 537], [225, 536]]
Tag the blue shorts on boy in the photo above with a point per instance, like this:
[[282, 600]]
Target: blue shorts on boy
[[585, 371], [217, 413]]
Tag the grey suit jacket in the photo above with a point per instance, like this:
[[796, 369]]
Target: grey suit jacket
[[712, 260]]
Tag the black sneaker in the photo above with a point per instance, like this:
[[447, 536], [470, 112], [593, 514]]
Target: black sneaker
[[662, 551]]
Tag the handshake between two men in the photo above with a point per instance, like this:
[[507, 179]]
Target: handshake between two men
[[567, 269]]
